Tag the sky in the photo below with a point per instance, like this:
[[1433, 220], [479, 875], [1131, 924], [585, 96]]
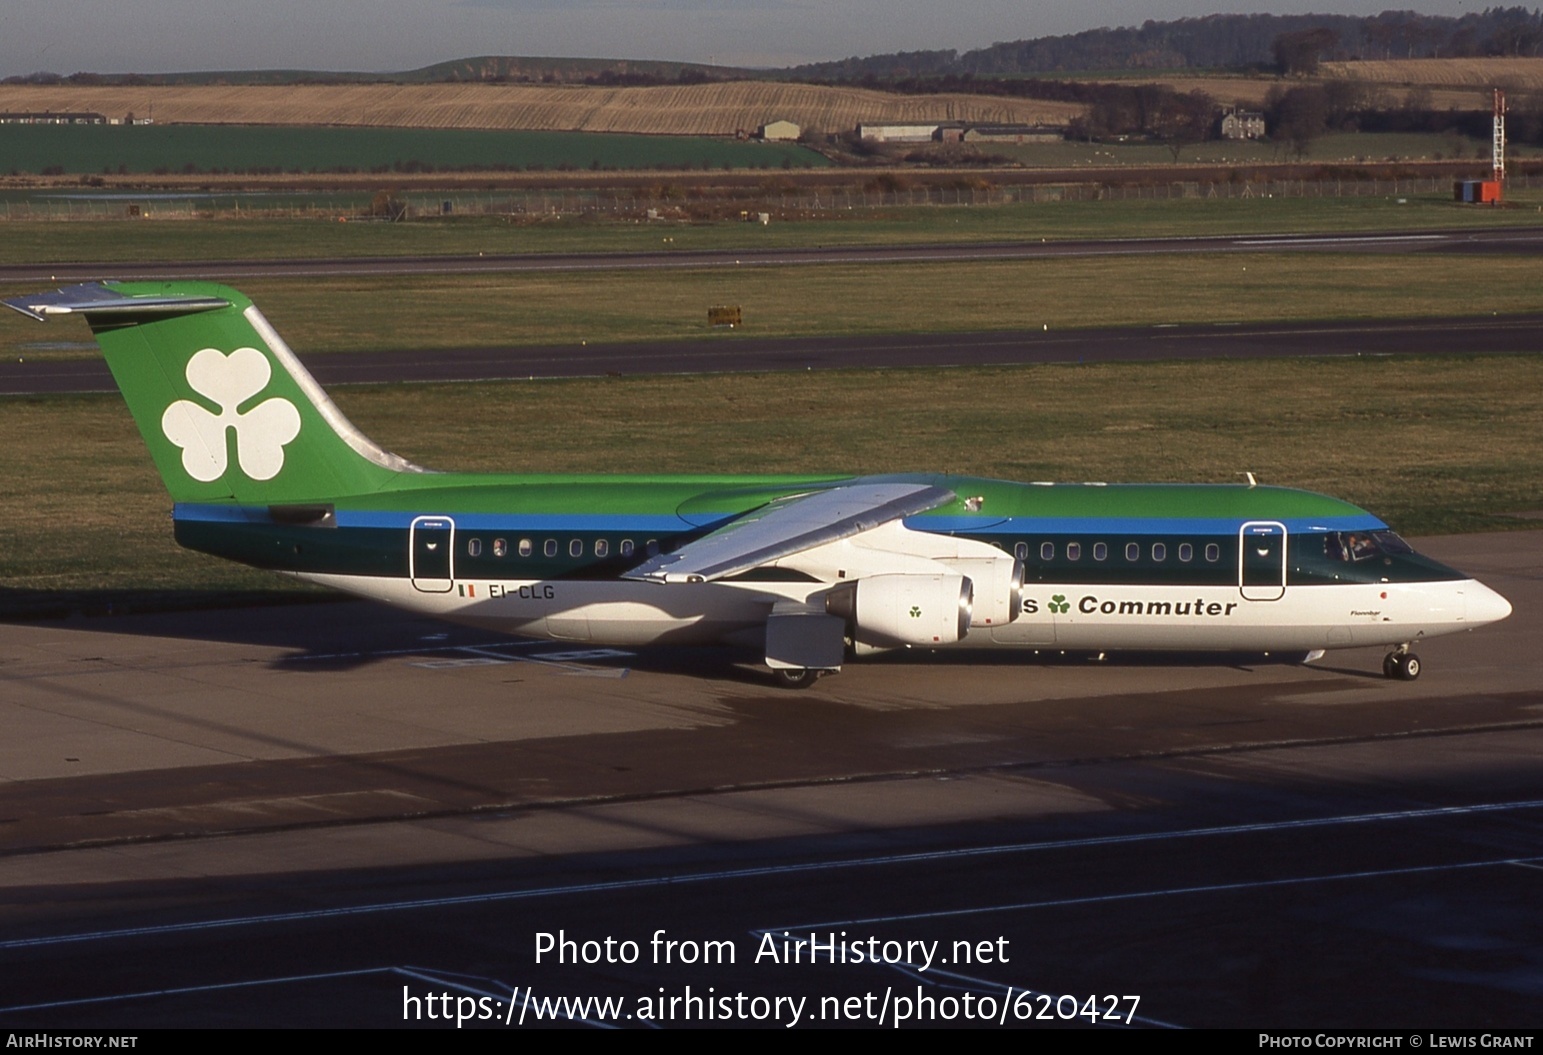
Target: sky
[[152, 36]]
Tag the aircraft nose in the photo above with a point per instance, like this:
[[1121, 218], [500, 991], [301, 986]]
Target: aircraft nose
[[1485, 605]]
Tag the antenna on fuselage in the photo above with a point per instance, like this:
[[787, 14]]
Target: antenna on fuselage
[[1250, 477]]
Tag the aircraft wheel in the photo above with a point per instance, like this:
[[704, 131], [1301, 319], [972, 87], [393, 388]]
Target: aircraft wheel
[[795, 677], [1408, 666], [1390, 665]]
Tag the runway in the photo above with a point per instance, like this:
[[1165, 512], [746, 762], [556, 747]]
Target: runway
[[1485, 335], [1522, 334], [1522, 240], [333, 815]]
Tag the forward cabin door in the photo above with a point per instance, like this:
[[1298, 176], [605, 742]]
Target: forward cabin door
[[431, 554], [1262, 560]]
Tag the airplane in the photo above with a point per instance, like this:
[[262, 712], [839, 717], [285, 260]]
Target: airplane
[[264, 469]]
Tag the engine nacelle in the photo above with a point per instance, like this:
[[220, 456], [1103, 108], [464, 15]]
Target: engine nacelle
[[998, 587], [905, 609]]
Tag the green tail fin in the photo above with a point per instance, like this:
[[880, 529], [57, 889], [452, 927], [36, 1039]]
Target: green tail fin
[[226, 409]]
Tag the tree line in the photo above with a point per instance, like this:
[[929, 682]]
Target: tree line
[[1216, 41]]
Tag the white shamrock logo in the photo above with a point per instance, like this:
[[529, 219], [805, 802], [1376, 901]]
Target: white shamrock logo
[[261, 433]]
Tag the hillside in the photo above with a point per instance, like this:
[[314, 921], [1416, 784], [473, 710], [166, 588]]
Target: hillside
[[1477, 74], [699, 109]]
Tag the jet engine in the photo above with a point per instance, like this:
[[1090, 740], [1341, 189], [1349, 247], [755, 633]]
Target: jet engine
[[998, 587], [905, 609]]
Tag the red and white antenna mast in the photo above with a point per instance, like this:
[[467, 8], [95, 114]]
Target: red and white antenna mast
[[1498, 149]]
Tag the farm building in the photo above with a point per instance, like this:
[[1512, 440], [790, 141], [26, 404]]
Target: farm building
[[779, 130], [1014, 134], [897, 133], [1242, 124], [49, 118]]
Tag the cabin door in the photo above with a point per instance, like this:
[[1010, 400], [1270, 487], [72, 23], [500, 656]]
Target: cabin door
[[1262, 560], [431, 554]]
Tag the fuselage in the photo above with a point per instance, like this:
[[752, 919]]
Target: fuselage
[[1185, 567]]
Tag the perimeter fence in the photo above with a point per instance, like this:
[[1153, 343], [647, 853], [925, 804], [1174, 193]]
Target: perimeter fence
[[675, 201]]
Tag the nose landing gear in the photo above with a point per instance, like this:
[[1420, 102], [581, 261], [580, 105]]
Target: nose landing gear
[[1401, 664]]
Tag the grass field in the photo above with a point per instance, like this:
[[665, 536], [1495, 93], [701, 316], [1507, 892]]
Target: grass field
[[258, 149], [1433, 445], [37, 242], [1510, 73], [1458, 445], [1446, 84], [699, 109], [87, 149], [373, 313]]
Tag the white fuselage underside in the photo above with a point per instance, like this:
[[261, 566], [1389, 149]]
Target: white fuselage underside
[[1064, 616]]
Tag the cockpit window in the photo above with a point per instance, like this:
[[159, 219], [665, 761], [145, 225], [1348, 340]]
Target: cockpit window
[[1391, 543], [1352, 546]]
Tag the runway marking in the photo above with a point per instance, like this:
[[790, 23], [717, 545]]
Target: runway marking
[[562, 661], [1140, 895], [448, 980], [405, 651], [1335, 239], [689, 878], [569, 661], [211, 988]]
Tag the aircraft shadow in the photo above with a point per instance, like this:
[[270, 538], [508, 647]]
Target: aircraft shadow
[[324, 632]]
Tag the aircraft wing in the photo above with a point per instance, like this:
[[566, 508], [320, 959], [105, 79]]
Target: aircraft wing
[[791, 525]]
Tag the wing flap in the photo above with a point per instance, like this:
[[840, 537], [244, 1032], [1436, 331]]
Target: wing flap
[[791, 525]]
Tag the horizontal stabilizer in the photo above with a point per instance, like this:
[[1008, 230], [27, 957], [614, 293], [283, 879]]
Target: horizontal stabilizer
[[94, 298]]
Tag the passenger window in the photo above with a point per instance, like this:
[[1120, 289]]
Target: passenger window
[[626, 547], [576, 548], [1159, 551], [1186, 552], [1021, 551], [653, 547], [550, 548], [474, 547], [602, 547], [526, 547], [1100, 551], [1132, 551], [500, 547], [1213, 552], [1074, 551], [1047, 551]]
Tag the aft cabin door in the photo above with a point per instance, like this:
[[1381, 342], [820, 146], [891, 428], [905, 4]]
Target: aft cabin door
[[1262, 560], [431, 554]]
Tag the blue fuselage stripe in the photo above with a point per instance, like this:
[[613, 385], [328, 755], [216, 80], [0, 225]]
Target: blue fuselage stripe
[[643, 524], [1089, 526]]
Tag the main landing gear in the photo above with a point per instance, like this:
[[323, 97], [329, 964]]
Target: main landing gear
[[1401, 664], [795, 677]]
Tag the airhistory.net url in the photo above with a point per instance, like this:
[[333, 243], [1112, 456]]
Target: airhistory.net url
[[888, 1008]]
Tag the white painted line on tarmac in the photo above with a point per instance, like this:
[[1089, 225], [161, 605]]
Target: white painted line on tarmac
[[187, 990], [1338, 239], [1140, 895], [690, 878], [488, 987]]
